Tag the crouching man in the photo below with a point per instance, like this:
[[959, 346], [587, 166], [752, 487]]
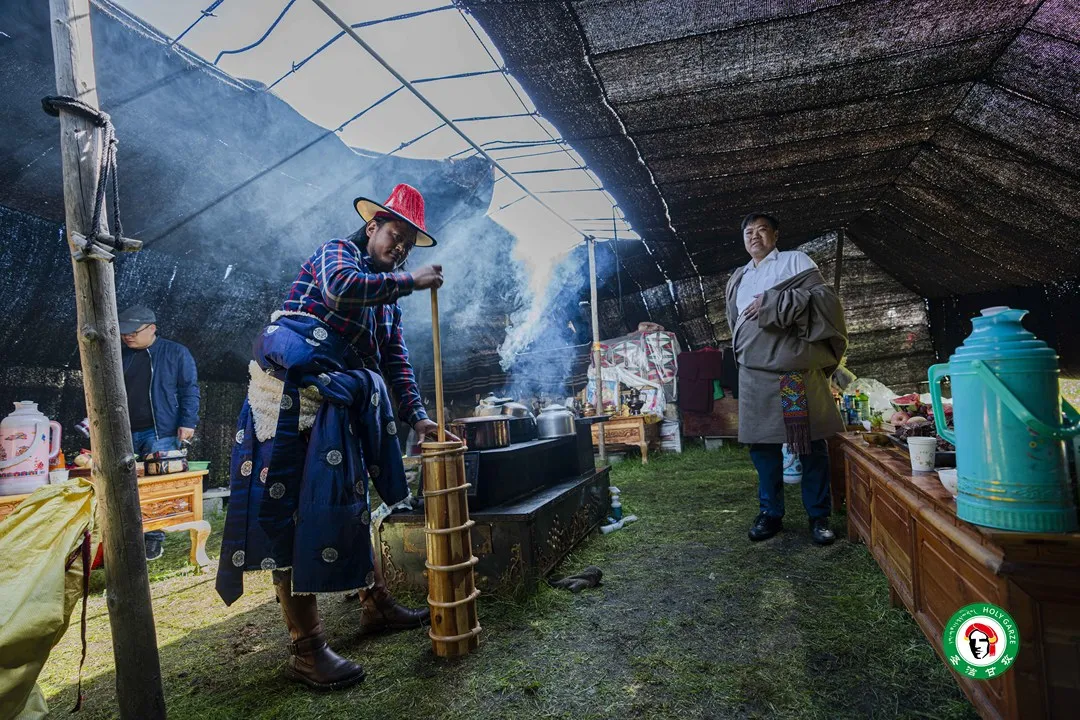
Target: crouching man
[[318, 423]]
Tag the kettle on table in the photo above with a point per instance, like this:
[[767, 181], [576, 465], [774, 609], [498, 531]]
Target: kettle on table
[[1008, 431], [28, 441]]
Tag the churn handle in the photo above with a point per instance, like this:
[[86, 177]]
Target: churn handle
[[1013, 403], [936, 374]]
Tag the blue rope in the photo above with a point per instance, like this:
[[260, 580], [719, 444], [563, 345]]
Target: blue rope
[[372, 106], [481, 118], [208, 12], [260, 40], [458, 76], [548, 170], [404, 145]]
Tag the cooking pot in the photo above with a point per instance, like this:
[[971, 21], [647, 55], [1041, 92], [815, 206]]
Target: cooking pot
[[490, 406], [555, 421], [165, 462], [483, 433], [522, 429]]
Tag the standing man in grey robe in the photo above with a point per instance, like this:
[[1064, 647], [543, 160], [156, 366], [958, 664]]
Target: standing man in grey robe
[[789, 335]]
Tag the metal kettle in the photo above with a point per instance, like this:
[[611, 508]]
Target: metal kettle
[[1008, 432], [555, 421]]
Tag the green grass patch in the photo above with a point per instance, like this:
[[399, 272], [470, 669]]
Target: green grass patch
[[692, 621]]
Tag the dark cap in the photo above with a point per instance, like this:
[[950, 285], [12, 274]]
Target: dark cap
[[134, 318]]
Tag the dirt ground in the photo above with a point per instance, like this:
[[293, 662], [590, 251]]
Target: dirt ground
[[692, 621]]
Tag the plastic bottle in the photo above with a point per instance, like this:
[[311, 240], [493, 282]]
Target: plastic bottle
[[863, 405]]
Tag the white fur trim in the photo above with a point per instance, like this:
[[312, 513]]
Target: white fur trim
[[264, 397], [283, 313]]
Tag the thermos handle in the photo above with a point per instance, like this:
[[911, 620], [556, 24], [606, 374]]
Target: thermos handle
[[1018, 409], [54, 439], [936, 374]]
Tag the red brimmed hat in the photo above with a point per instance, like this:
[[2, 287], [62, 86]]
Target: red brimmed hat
[[405, 203]]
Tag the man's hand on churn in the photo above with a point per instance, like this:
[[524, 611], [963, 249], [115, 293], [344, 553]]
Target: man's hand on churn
[[429, 276]]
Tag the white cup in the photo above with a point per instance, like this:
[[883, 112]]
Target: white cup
[[922, 451], [58, 477]]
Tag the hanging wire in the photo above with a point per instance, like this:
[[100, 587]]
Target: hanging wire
[[449, 123], [257, 42], [203, 14], [404, 16], [562, 143]]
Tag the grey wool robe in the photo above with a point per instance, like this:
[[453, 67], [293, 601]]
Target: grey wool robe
[[800, 328]]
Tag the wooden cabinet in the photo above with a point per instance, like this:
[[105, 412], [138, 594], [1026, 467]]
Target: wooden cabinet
[[632, 431], [172, 503], [722, 421], [937, 563]]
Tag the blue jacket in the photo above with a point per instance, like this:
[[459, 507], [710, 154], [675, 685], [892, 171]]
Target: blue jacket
[[174, 386]]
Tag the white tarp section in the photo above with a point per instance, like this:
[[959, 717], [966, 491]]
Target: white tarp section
[[297, 51]]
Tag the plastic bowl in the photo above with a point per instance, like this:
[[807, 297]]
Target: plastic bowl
[[949, 480], [198, 464]]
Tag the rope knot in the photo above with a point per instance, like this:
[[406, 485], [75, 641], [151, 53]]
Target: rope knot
[[98, 231]]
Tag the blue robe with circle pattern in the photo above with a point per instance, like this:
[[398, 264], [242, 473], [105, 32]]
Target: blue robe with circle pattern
[[300, 499]]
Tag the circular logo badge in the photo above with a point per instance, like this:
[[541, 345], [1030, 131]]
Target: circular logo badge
[[981, 641]]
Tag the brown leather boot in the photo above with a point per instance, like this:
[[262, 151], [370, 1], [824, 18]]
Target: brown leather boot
[[311, 661], [380, 612]]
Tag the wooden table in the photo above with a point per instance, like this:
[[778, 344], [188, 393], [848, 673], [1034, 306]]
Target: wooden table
[[937, 563], [172, 503], [631, 431], [722, 421]]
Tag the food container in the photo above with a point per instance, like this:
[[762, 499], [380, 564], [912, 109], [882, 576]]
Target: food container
[[949, 480], [483, 433], [165, 462], [555, 421]]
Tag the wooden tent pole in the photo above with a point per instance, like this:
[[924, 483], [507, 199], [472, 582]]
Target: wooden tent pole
[[440, 410], [591, 242], [138, 671], [839, 266]]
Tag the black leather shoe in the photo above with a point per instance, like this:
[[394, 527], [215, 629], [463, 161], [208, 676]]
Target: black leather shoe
[[820, 531], [765, 527]]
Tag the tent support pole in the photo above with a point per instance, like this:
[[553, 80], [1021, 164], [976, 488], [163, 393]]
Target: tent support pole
[[596, 355], [139, 692], [839, 265]]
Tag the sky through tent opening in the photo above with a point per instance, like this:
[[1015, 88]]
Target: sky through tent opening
[[296, 50]]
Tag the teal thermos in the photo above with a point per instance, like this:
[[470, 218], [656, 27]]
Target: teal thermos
[[1008, 431]]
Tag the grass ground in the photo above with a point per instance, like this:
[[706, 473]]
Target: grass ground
[[692, 621]]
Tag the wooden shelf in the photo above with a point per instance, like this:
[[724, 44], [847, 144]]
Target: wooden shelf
[[937, 563]]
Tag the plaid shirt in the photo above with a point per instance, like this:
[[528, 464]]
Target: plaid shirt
[[337, 285]]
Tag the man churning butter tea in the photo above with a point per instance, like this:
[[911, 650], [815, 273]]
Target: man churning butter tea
[[318, 422]]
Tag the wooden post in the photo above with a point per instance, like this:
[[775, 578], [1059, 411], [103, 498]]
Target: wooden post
[[138, 671], [600, 439], [839, 259]]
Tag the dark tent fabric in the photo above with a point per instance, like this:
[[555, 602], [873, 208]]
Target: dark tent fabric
[[942, 136]]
